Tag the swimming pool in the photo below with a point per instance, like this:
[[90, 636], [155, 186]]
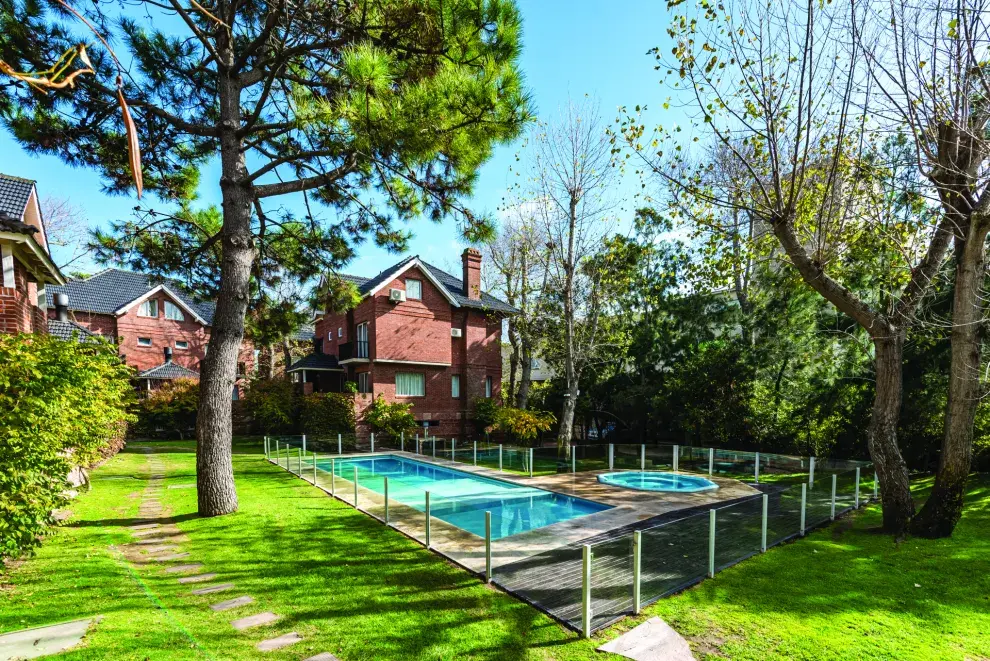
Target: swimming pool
[[658, 481], [461, 499]]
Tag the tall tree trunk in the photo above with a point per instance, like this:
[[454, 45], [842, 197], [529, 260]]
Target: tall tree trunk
[[286, 358], [940, 513], [216, 491], [270, 367], [566, 431], [513, 361], [895, 486], [526, 379]]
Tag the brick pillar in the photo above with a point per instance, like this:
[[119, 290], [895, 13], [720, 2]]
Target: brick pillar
[[471, 262]]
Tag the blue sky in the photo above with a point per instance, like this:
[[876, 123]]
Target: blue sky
[[571, 48]]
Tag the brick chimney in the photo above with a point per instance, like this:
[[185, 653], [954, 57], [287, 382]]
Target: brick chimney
[[62, 306], [471, 261]]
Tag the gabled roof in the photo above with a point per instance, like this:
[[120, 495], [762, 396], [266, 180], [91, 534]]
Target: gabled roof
[[111, 290], [14, 194], [316, 362], [451, 286], [305, 334], [66, 330], [168, 370]]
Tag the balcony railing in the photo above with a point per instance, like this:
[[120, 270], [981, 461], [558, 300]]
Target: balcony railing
[[358, 349]]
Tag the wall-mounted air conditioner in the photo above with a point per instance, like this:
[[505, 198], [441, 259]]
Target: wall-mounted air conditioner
[[456, 332], [396, 295]]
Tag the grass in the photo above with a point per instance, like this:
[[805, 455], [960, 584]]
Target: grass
[[360, 591]]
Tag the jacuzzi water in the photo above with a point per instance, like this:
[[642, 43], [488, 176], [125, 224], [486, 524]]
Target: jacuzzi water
[[657, 481]]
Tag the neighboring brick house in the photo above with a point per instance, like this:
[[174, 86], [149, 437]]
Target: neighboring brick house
[[149, 319], [27, 267], [419, 335]]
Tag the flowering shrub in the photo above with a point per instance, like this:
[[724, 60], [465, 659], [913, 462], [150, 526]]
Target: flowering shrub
[[389, 420]]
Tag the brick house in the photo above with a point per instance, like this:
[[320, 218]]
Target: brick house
[[161, 331], [419, 335], [27, 267]]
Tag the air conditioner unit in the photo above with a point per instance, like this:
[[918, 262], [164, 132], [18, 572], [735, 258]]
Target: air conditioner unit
[[456, 332], [396, 295]]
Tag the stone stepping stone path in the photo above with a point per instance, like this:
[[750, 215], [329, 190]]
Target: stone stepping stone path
[[232, 603], [43, 641], [213, 588], [182, 486], [145, 526], [653, 640], [324, 656], [196, 566], [171, 557], [160, 548], [258, 620], [200, 578], [278, 643], [146, 533]]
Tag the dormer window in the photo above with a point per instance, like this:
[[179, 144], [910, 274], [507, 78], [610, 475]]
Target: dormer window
[[148, 308], [174, 312], [414, 289]]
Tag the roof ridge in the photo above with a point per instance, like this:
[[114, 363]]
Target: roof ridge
[[20, 179]]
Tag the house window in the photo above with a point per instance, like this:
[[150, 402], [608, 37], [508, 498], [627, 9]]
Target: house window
[[362, 341], [340, 332], [329, 336], [410, 384], [455, 386], [148, 308], [488, 387], [257, 361], [414, 289], [364, 381], [181, 344], [144, 341], [173, 312]]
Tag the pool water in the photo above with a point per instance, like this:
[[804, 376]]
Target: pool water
[[461, 499], [658, 481]]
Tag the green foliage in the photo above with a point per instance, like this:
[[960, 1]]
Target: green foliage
[[169, 409], [61, 405], [272, 404], [485, 414], [327, 414], [524, 425], [389, 420]]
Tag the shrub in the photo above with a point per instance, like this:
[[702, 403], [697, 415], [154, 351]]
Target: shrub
[[485, 414], [273, 405], [389, 420], [327, 414], [523, 424], [169, 410], [62, 404]]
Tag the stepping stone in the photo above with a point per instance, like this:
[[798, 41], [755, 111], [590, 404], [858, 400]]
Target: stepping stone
[[323, 656], [183, 568], [182, 486], [43, 641], [145, 526], [279, 643], [159, 549], [171, 557], [213, 588], [258, 620], [150, 540], [232, 603], [653, 640], [145, 533], [200, 578]]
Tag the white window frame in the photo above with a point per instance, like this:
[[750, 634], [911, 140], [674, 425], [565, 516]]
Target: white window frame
[[488, 387], [146, 305], [340, 331], [175, 310], [367, 385], [141, 342], [181, 344], [419, 287], [362, 336], [455, 386], [419, 393]]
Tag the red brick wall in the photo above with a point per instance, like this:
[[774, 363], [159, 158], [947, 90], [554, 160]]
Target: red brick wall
[[103, 324], [17, 313], [412, 330]]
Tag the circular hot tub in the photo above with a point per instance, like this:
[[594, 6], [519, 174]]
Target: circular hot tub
[[657, 481]]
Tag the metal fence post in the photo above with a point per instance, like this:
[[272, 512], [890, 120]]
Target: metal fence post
[[499, 457], [757, 469], [299, 462], [611, 456], [386, 500], [402, 441], [642, 456], [811, 472], [427, 519], [573, 460], [265, 446], [586, 591], [677, 458], [355, 488], [763, 542], [314, 469], [488, 547], [304, 444], [333, 477], [476, 453], [419, 449], [637, 571], [434, 447], [340, 445], [531, 462], [711, 543], [804, 506], [453, 449], [372, 442], [276, 450], [834, 479], [857, 487], [711, 461]]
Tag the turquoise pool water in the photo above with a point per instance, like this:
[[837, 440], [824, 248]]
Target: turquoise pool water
[[657, 481], [461, 499]]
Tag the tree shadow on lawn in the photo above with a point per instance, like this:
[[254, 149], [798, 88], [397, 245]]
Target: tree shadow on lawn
[[131, 521]]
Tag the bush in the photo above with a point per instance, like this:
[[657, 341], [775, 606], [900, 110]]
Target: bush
[[62, 404], [485, 414], [389, 420], [170, 410], [273, 405], [523, 424], [327, 414]]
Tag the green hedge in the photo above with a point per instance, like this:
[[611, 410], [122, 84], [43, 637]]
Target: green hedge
[[326, 414], [62, 404]]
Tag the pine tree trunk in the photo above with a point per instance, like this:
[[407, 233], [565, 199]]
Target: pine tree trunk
[[217, 494], [940, 513], [895, 486]]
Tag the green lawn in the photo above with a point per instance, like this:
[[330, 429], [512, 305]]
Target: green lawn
[[361, 591]]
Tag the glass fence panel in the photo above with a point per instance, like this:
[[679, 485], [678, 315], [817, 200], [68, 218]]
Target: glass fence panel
[[407, 509], [528, 578], [739, 465], [626, 456], [611, 580], [674, 556], [738, 532], [692, 459], [515, 459], [590, 457], [659, 457], [549, 461], [783, 514], [488, 455]]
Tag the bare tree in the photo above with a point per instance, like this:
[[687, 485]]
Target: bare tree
[[935, 80], [573, 171], [781, 80], [67, 228]]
